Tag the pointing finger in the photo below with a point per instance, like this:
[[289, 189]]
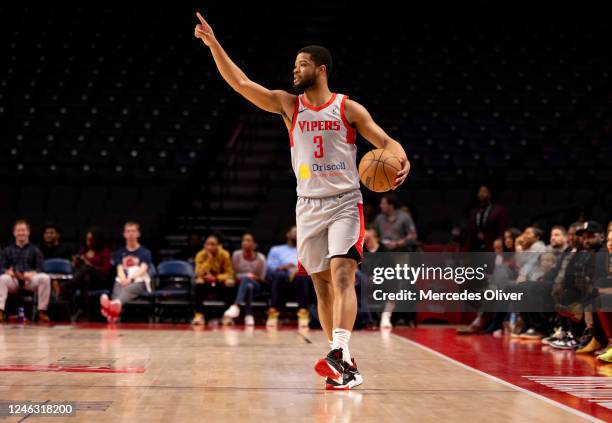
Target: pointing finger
[[200, 18]]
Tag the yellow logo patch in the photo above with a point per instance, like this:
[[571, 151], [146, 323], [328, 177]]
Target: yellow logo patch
[[304, 171]]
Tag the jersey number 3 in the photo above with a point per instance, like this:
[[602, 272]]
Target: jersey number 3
[[318, 140]]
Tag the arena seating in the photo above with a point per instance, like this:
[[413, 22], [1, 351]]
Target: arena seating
[[145, 128]]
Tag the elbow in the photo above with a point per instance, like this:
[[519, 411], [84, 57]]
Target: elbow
[[240, 85]]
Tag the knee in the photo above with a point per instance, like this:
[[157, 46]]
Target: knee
[[343, 281], [324, 290], [43, 278]]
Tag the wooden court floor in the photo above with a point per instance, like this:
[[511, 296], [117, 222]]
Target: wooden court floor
[[234, 375]]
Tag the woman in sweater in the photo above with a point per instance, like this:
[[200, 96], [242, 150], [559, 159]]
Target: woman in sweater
[[91, 269], [212, 266]]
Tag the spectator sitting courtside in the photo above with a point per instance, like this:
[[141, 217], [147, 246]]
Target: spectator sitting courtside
[[531, 248], [397, 232], [212, 265], [394, 227], [558, 240], [52, 246], [250, 269], [572, 239], [132, 264], [282, 270], [603, 285], [22, 265], [92, 268], [510, 236]]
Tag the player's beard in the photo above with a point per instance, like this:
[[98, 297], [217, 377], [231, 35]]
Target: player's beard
[[306, 82]]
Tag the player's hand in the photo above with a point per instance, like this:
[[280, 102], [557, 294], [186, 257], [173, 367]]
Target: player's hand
[[402, 174], [204, 32]]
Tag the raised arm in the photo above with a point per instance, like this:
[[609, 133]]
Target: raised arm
[[360, 118], [274, 101]]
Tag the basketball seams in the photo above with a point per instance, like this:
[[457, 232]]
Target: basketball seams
[[382, 151], [366, 169], [392, 157], [386, 177], [365, 161]]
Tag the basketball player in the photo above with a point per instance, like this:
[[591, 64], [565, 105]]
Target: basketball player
[[322, 130]]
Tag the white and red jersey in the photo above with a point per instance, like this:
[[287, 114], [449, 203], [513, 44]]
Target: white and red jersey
[[323, 151]]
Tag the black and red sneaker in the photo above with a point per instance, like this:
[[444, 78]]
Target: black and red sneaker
[[350, 379], [331, 366]]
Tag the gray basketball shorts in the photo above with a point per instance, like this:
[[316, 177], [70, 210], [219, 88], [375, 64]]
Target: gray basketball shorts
[[328, 227]]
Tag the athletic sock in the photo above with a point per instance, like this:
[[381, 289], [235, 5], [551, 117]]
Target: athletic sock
[[331, 344], [341, 339]]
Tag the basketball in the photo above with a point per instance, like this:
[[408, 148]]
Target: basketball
[[378, 169]]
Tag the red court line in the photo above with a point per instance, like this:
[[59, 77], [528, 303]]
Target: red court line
[[511, 360], [69, 369]]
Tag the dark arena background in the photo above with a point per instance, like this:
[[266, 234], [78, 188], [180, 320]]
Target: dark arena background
[[113, 117]]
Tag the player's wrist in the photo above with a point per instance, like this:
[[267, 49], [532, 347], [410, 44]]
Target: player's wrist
[[214, 44]]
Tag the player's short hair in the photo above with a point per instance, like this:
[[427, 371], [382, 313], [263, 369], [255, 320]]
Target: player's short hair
[[320, 55], [51, 225], [21, 222], [559, 228], [132, 223], [392, 200]]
